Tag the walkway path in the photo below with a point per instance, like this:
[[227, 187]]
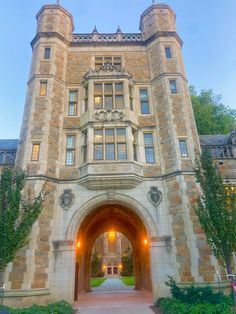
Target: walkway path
[[112, 284], [113, 297]]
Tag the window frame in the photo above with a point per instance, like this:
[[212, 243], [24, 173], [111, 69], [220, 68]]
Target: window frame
[[135, 144], [33, 152], [85, 145], [43, 88], [131, 97], [168, 52], [175, 90], [74, 103], [104, 94], [70, 150], [183, 152], [146, 100], [115, 63], [86, 98], [106, 142], [148, 147], [47, 53]]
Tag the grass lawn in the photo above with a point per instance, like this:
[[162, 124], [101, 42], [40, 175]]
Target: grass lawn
[[128, 281], [96, 282]]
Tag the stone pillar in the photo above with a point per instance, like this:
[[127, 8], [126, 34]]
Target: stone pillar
[[63, 271], [161, 266]]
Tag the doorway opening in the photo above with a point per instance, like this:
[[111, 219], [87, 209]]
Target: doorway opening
[[112, 220]]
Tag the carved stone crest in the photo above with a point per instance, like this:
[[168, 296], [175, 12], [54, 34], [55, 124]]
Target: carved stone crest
[[154, 196], [67, 199], [109, 115], [108, 66]]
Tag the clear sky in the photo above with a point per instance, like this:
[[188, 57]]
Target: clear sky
[[207, 27]]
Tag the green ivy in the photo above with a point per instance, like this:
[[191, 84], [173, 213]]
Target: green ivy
[[17, 213]]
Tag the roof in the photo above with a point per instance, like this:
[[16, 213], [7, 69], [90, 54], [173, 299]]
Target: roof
[[8, 144], [214, 139]]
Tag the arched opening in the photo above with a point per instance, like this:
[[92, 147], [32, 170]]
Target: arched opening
[[112, 256], [120, 219]]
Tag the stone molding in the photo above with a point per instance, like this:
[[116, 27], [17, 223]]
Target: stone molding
[[108, 70], [109, 115], [103, 175], [103, 199]]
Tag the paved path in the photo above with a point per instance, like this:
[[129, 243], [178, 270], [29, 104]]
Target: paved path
[[113, 297], [138, 309], [112, 284]]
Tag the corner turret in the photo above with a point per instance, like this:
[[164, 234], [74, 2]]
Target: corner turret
[[157, 18], [55, 19]]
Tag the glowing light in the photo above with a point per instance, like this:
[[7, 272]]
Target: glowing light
[[120, 266], [78, 244], [112, 236], [145, 242]]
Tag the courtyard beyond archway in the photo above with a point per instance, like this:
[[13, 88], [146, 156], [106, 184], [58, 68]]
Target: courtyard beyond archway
[[104, 219]]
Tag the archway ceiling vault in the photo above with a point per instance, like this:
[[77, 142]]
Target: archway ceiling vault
[[112, 217]]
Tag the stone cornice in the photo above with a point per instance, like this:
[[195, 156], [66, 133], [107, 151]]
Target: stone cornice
[[119, 41]]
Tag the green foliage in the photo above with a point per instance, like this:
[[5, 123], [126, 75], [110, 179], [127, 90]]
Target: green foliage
[[128, 281], [173, 306], [216, 209], [197, 295], [127, 263], [61, 307], [97, 266], [96, 282], [211, 116], [17, 214]]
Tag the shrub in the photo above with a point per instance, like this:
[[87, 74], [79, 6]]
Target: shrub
[[172, 306], [61, 307], [196, 295], [98, 274], [125, 273]]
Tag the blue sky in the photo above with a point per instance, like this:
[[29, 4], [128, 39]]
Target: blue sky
[[208, 29]]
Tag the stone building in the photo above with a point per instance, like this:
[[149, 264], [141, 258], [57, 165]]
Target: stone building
[[108, 129], [110, 247]]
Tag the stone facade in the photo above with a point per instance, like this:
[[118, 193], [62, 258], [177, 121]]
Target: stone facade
[[107, 118]]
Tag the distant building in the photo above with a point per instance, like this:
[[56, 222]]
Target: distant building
[[110, 247], [108, 130]]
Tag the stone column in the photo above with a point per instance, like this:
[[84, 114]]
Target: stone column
[[161, 266], [63, 277]]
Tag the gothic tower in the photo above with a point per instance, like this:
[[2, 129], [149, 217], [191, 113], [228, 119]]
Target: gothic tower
[[108, 130]]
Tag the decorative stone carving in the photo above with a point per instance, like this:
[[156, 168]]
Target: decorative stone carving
[[111, 194], [108, 67], [67, 199], [154, 196], [109, 115]]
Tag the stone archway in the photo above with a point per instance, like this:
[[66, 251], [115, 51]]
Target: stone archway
[[135, 222], [111, 198], [124, 220]]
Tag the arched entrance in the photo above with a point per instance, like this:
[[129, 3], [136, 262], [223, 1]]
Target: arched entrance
[[120, 218]]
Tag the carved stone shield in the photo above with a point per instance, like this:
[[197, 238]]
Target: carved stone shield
[[154, 196], [67, 199]]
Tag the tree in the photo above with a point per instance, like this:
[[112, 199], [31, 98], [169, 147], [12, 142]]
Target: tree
[[97, 266], [17, 215], [216, 210], [127, 263], [212, 117]]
